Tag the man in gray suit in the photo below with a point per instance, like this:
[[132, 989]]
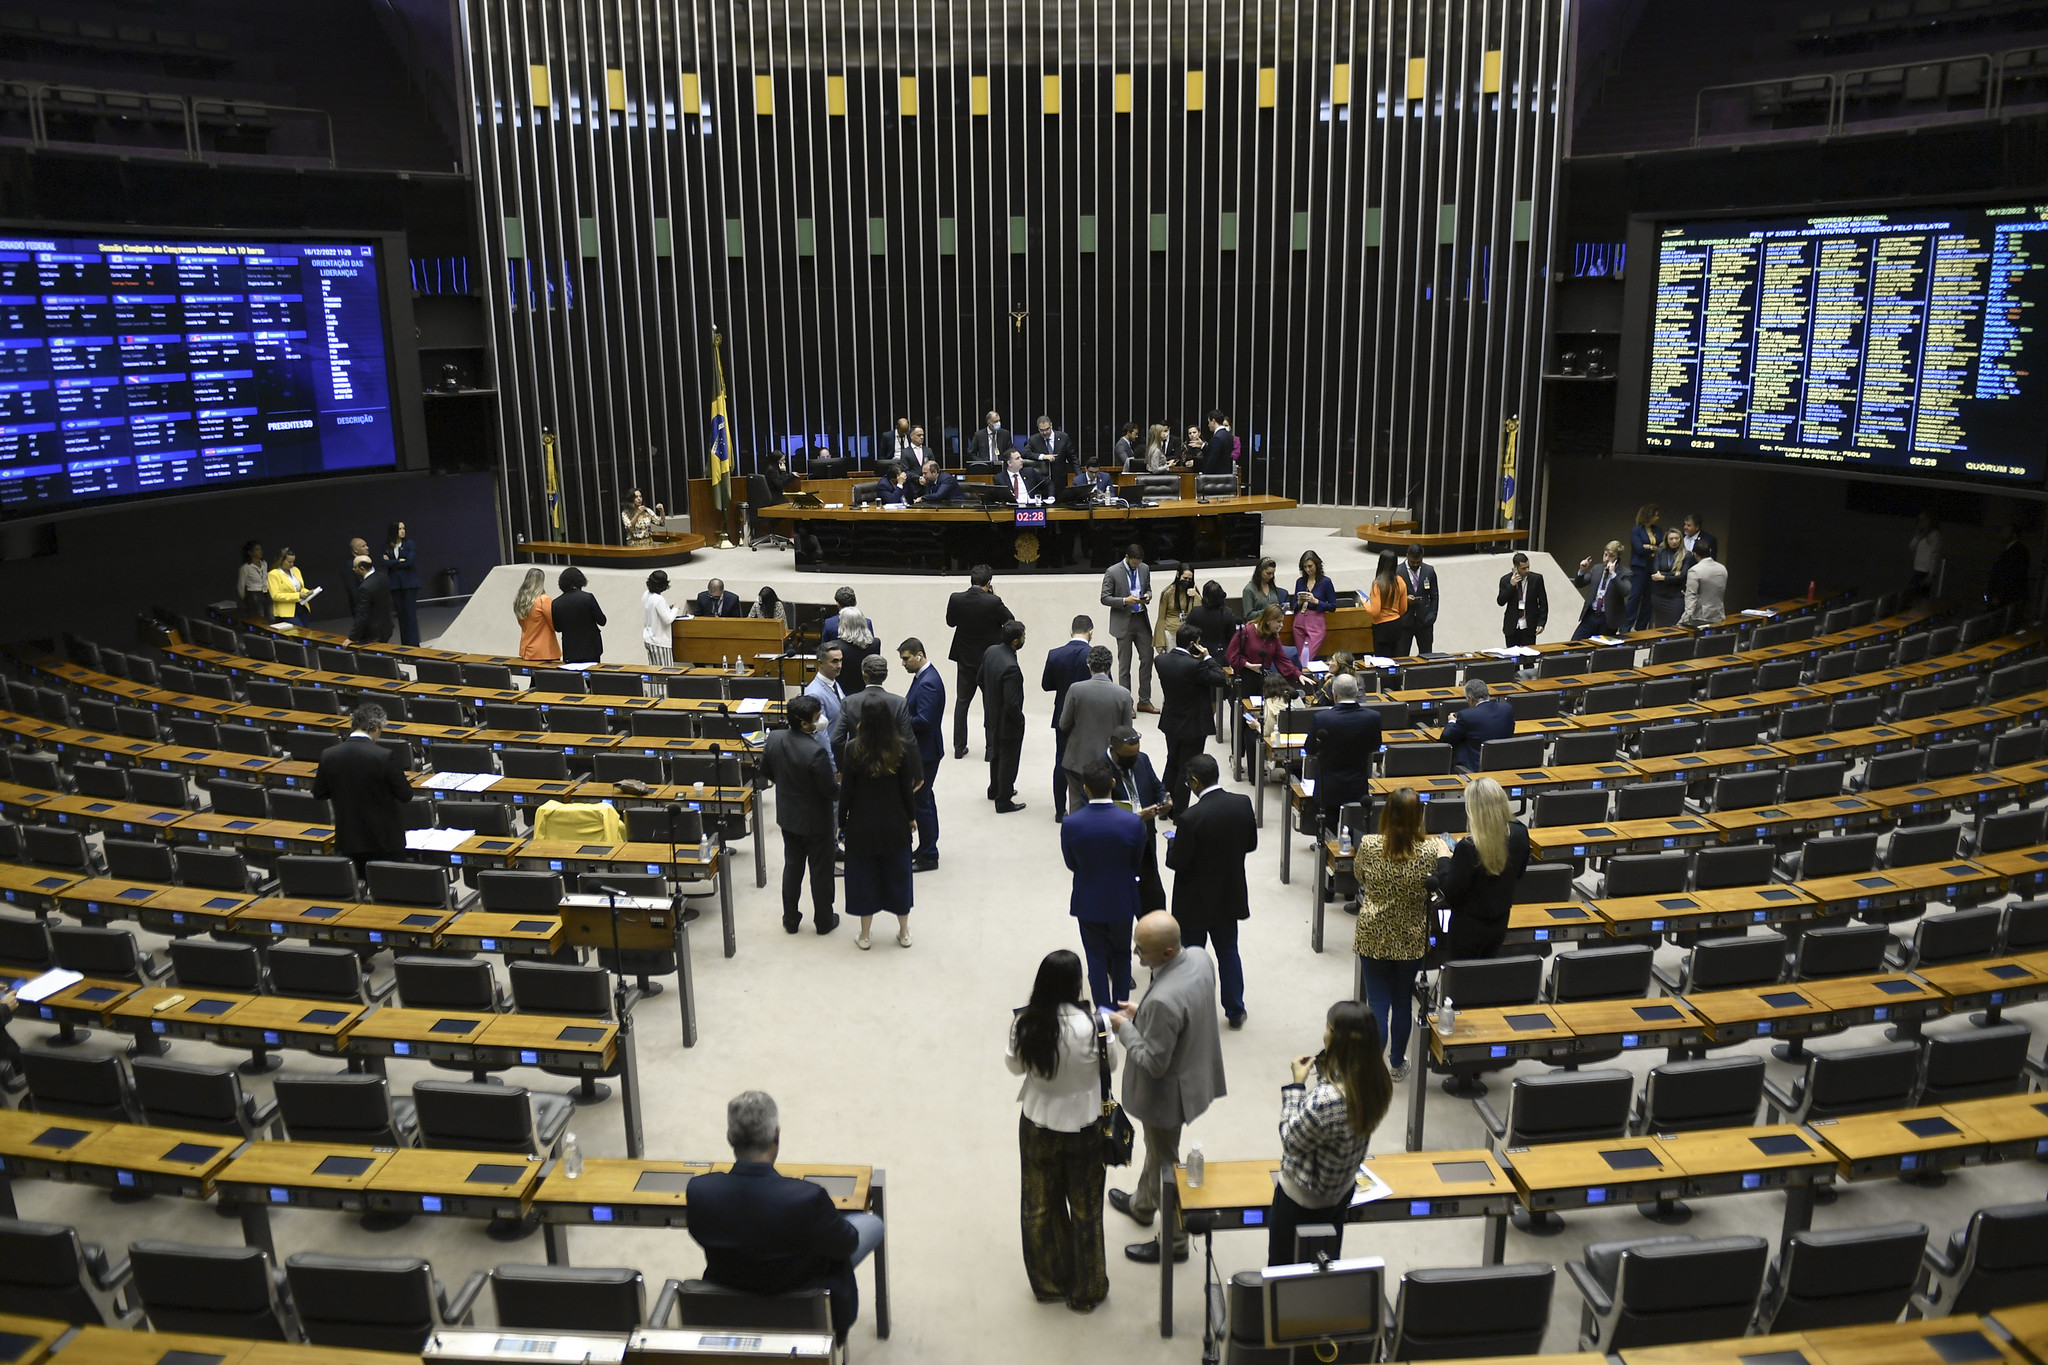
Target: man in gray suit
[[1093, 711], [874, 675], [806, 791], [1127, 592], [1173, 1065]]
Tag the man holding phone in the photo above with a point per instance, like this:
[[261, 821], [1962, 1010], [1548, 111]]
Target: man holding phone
[[1139, 789], [1127, 593]]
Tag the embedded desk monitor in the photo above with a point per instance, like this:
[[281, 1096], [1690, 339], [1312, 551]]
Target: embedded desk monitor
[[1892, 341], [1337, 1301], [142, 363]]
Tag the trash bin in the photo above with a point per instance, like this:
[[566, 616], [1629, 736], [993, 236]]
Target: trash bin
[[449, 584]]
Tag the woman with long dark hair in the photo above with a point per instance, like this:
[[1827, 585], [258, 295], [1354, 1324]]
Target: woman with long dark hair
[[768, 607], [1053, 1046], [1668, 568], [1214, 618], [400, 559], [878, 793], [1262, 591], [1327, 1114], [1313, 595], [1174, 605], [1388, 603], [1643, 539], [252, 582]]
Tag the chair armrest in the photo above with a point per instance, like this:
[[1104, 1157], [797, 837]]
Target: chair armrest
[[665, 1304], [114, 1276], [629, 1003], [379, 992], [152, 969], [1589, 1288], [463, 897], [1666, 979], [1495, 1124], [1896, 956], [1936, 1258], [2038, 1066], [261, 1113], [1780, 1098], [458, 1311]]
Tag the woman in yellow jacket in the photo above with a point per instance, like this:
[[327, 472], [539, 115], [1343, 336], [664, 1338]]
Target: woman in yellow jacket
[[288, 589]]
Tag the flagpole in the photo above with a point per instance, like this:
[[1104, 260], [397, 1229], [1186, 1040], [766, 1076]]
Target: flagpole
[[724, 505]]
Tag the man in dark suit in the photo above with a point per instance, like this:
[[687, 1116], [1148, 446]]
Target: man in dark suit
[[806, 788], [371, 602], [937, 485], [1606, 590], [1206, 851], [358, 548], [1103, 845], [896, 442], [1053, 450], [993, 442], [768, 1233], [1216, 455], [977, 616], [1423, 599], [716, 601], [1021, 479], [1064, 666], [1188, 679], [1524, 604], [1480, 721], [364, 785], [1002, 715], [1342, 739], [1696, 534], [842, 598], [1139, 788], [925, 700]]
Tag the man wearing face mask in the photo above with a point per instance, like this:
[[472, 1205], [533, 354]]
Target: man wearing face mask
[[806, 788]]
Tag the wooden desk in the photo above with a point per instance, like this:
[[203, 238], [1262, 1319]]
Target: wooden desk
[[2024, 869], [1899, 1142], [1682, 911], [310, 1175], [88, 1001], [1971, 792], [267, 1021], [2028, 1326], [2014, 1127], [1822, 815], [1514, 1032], [292, 917], [721, 639], [485, 931], [1845, 744], [549, 1040], [1574, 1175], [1769, 1011], [666, 547], [438, 1035], [167, 1012], [1555, 922], [179, 910], [1614, 837], [26, 1341], [151, 1160], [1766, 1156], [1422, 1185], [201, 764], [395, 926], [37, 1146], [1909, 1343], [1602, 1025], [1781, 1348], [682, 861], [463, 1184], [34, 888], [106, 1346], [99, 899], [1902, 886], [1858, 1000], [1711, 763], [1407, 533], [1992, 984], [128, 819]]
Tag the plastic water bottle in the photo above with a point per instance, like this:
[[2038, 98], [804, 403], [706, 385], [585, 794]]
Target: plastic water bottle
[[572, 1156], [725, 663], [1196, 1165], [1446, 1017], [1344, 841]]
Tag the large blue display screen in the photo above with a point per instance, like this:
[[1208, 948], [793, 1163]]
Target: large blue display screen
[[138, 365]]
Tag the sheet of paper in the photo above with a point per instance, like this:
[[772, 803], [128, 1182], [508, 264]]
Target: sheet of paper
[[752, 706], [1370, 1187], [575, 668], [438, 840], [478, 782], [1759, 611], [445, 782], [48, 984], [1308, 785]]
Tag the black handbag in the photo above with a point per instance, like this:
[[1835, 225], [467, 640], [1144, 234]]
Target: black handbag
[[1114, 1127]]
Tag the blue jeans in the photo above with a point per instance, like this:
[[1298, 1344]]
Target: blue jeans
[[869, 1230], [1389, 984]]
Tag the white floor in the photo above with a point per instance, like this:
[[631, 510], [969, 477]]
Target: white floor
[[894, 1057]]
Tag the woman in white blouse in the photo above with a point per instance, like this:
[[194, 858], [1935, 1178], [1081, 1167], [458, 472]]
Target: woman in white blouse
[[657, 621], [1054, 1044]]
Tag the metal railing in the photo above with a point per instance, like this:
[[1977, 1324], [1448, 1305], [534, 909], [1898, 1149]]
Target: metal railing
[[66, 117], [1961, 88]]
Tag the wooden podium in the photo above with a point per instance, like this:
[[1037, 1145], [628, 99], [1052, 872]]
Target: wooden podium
[[720, 639]]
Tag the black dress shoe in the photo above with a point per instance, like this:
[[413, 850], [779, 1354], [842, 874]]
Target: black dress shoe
[[1234, 1020], [1147, 1253], [1120, 1200], [959, 754], [829, 925], [790, 926], [924, 864], [1010, 809]]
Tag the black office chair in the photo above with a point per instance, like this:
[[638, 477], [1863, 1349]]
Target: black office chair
[[559, 680], [1960, 936], [137, 860], [442, 672], [1730, 732], [204, 1099], [1799, 722], [549, 1298], [1733, 865], [1708, 1092], [1541, 883], [1570, 808], [79, 1087], [420, 884], [2006, 831], [701, 1304], [357, 1110], [1483, 983], [1998, 1260], [1662, 1290], [511, 715], [100, 781], [1665, 692], [1619, 973], [1503, 755], [1672, 737], [1745, 791], [63, 850], [543, 765], [212, 1290], [211, 965], [1416, 760], [1649, 801], [459, 985], [1585, 746], [1644, 874], [2023, 745], [1842, 1278], [287, 803], [1496, 1310], [1917, 847], [567, 989], [1528, 706], [46, 1271], [463, 758], [1730, 963], [246, 739], [375, 1303], [1832, 855], [105, 952], [325, 972], [1558, 1106], [484, 817], [1974, 1064], [1901, 769], [1605, 697], [1813, 781], [1859, 1080], [316, 877], [24, 946]]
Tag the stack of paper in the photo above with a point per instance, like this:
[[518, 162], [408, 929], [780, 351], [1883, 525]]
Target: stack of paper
[[48, 984], [1370, 1187], [461, 782], [439, 840], [752, 706], [1764, 612]]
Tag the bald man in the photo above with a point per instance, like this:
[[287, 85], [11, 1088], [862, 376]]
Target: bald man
[[1173, 1065]]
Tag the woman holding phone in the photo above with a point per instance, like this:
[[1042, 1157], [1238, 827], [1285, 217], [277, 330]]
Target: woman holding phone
[[1314, 594], [1327, 1114]]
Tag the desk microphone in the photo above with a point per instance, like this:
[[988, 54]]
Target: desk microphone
[[1199, 1221]]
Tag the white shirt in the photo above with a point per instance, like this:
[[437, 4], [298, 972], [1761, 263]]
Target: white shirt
[[1018, 486], [1072, 1098], [657, 618], [1926, 551]]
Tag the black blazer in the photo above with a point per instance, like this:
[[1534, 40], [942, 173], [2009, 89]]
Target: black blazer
[[1216, 454], [1612, 619], [1473, 726], [879, 809], [372, 601], [1002, 691], [766, 1233], [365, 785], [1539, 602], [1467, 888], [1000, 450], [1424, 595], [977, 619], [1187, 694], [1065, 665], [726, 603], [577, 617], [1207, 853], [805, 785], [1343, 739], [1061, 447]]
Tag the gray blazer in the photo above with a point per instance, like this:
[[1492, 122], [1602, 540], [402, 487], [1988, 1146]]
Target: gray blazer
[[1173, 1054], [1092, 712], [849, 716], [1116, 586]]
